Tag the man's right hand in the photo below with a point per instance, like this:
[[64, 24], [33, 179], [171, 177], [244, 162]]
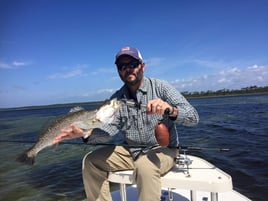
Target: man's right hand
[[70, 133]]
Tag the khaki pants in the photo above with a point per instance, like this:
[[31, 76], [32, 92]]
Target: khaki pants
[[147, 169]]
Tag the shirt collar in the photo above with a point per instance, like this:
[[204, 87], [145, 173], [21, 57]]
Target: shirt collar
[[144, 86]]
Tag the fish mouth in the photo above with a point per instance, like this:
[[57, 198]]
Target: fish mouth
[[107, 112], [115, 103]]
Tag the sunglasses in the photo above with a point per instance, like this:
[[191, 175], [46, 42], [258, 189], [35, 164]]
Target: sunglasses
[[131, 65]]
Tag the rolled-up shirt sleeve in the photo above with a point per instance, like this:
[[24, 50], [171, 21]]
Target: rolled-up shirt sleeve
[[187, 114]]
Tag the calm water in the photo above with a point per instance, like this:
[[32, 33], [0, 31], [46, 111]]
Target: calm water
[[239, 123]]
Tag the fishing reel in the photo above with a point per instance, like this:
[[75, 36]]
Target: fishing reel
[[182, 162]]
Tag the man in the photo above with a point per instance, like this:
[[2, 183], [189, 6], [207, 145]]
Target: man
[[163, 104]]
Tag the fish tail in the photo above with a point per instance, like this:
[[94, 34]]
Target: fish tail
[[25, 158]]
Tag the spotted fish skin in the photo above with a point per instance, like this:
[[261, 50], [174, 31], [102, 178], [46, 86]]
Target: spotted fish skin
[[88, 119]]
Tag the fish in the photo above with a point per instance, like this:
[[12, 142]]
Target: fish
[[84, 119]]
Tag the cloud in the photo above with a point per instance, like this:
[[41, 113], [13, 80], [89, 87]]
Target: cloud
[[154, 61], [107, 92], [77, 71], [208, 63], [5, 65], [230, 78], [65, 75], [19, 63], [104, 71], [13, 65]]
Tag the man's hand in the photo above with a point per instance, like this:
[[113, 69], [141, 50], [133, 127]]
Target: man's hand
[[158, 106], [70, 133]]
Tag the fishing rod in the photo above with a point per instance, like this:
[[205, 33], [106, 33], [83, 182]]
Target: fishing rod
[[33, 141], [194, 148], [181, 148]]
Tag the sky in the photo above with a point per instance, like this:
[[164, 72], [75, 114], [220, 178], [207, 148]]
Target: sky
[[62, 51]]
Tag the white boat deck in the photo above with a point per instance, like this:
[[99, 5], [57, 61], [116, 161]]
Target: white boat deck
[[183, 195], [192, 179]]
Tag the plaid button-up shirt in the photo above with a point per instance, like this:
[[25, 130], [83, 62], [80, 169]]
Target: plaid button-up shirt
[[137, 127]]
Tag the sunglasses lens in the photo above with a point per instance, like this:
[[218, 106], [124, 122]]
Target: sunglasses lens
[[131, 65]]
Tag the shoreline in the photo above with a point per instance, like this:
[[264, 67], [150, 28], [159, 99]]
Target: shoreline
[[223, 95], [187, 96]]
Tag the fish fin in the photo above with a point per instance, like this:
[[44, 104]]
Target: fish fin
[[76, 109], [24, 158]]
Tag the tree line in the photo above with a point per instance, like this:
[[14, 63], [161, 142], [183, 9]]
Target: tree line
[[225, 92]]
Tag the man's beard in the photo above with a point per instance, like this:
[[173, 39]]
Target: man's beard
[[138, 76]]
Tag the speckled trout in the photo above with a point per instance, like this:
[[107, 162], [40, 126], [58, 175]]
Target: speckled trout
[[84, 119]]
